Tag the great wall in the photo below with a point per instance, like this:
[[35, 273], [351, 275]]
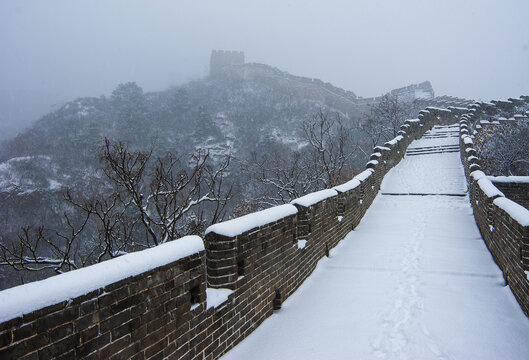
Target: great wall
[[196, 298], [231, 64]]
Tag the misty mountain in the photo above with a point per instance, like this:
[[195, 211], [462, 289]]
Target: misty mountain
[[223, 114], [245, 110], [248, 108]]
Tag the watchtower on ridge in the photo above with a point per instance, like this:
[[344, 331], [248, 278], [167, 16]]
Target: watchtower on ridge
[[220, 59]]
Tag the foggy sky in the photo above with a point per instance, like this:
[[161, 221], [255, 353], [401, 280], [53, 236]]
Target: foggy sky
[[56, 50]]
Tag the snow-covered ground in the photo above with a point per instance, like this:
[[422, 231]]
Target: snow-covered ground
[[440, 173], [432, 169], [413, 281]]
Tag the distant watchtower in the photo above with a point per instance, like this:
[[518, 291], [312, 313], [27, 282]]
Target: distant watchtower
[[220, 59]]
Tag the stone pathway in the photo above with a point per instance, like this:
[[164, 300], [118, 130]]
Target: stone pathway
[[413, 281]]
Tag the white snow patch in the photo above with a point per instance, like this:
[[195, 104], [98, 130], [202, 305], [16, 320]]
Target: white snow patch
[[364, 175], [340, 218], [216, 297], [350, 185], [54, 185], [488, 188], [515, 210], [29, 297], [395, 140], [244, 223], [478, 174], [432, 174], [315, 197], [509, 179], [384, 148], [302, 244], [467, 139]]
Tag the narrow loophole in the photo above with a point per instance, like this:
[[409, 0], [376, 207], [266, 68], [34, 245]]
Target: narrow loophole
[[195, 295], [240, 268]]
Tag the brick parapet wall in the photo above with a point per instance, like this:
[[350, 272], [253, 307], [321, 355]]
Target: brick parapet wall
[[165, 312], [510, 244], [517, 191], [138, 317], [505, 233]]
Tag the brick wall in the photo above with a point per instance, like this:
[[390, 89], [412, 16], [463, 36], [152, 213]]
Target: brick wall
[[500, 209], [135, 318], [515, 188], [201, 305]]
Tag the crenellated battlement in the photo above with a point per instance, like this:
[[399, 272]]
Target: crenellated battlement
[[500, 204]]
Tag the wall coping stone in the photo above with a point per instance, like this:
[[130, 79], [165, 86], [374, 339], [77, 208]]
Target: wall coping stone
[[315, 197], [478, 174], [364, 175], [509, 179], [240, 225], [348, 186], [24, 299], [515, 211], [489, 189]]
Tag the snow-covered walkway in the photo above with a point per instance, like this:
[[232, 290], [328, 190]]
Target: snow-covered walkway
[[413, 281]]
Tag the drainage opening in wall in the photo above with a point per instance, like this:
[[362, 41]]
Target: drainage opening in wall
[[195, 294], [277, 300], [240, 268]]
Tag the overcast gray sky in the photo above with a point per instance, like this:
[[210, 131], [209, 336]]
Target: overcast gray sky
[[57, 50]]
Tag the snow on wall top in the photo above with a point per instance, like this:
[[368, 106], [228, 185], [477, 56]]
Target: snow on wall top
[[437, 109], [382, 148], [478, 174], [488, 188], [509, 179], [364, 175], [395, 140], [244, 223], [216, 297], [467, 139], [350, 185], [516, 211], [315, 197], [27, 298]]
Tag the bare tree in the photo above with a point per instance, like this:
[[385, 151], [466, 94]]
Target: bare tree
[[504, 149], [325, 161], [331, 148], [138, 205], [384, 119]]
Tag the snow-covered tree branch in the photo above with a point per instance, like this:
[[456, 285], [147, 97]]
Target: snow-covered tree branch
[[140, 202]]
